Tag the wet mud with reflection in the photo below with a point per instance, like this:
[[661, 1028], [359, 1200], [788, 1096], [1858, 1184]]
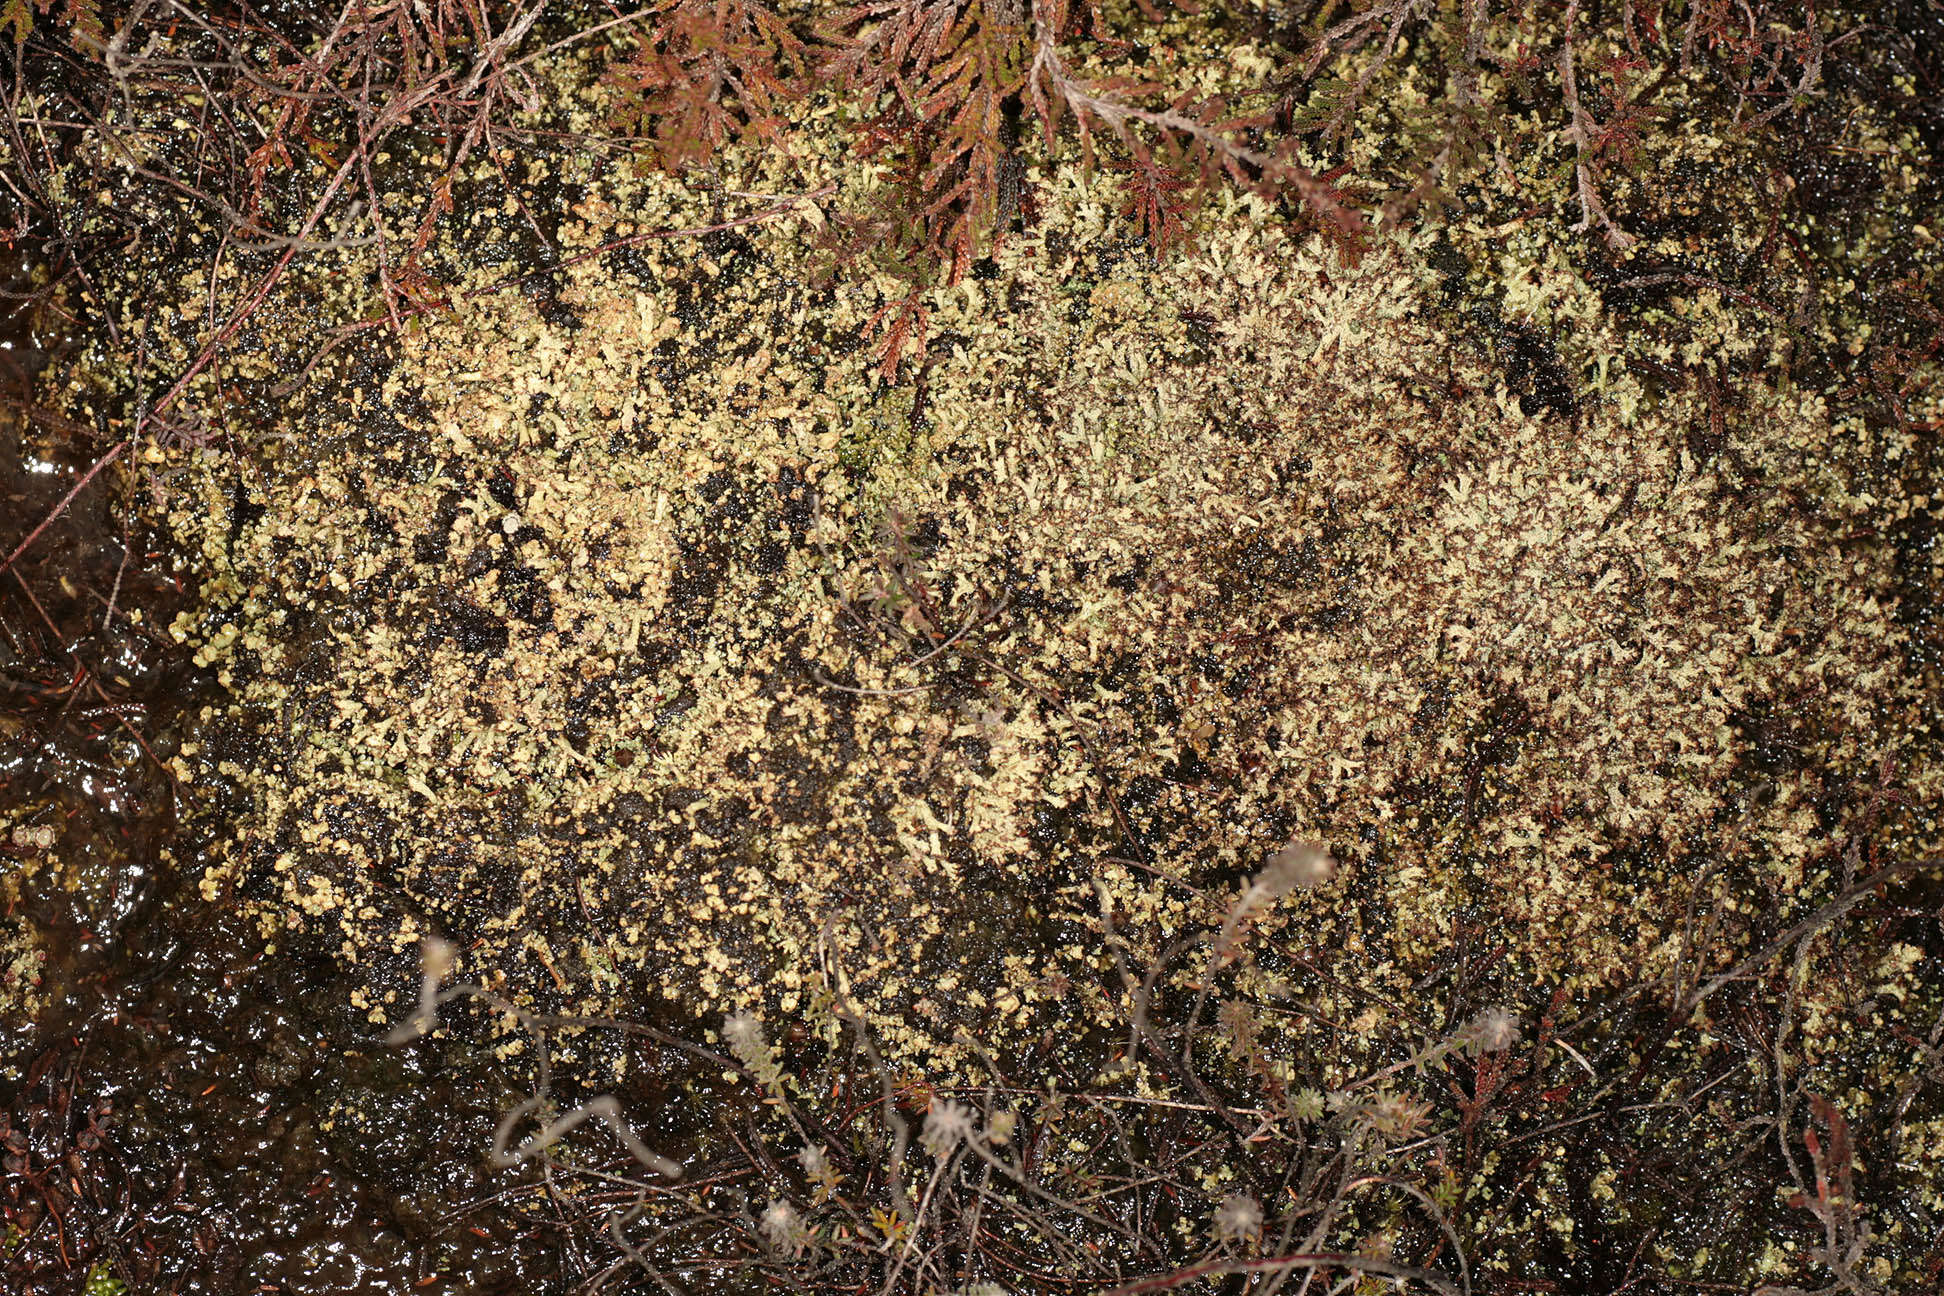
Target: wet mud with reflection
[[160, 1109]]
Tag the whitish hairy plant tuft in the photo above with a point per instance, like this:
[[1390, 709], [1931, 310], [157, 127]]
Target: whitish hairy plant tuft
[[744, 1035], [783, 1227], [816, 1164], [947, 1125], [1493, 1030], [1296, 866], [1238, 1218]]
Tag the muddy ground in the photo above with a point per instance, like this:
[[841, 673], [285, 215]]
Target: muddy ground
[[815, 748]]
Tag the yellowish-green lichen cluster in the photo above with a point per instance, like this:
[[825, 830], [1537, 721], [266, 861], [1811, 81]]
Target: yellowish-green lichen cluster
[[23, 946], [617, 646], [623, 623]]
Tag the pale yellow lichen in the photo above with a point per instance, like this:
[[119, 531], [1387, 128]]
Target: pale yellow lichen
[[630, 628]]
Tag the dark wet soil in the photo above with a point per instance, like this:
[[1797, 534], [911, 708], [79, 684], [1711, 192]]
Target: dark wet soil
[[183, 1116]]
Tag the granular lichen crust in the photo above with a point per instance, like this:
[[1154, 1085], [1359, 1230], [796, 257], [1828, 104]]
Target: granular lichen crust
[[23, 946], [659, 644], [1404, 738]]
